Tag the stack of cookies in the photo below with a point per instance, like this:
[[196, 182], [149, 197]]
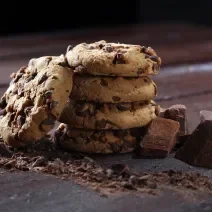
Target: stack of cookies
[[111, 99]]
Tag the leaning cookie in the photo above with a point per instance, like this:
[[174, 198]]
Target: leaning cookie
[[113, 59], [93, 141], [113, 89], [34, 100], [79, 114]]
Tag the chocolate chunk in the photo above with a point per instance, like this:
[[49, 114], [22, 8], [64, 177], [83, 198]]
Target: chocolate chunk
[[104, 82], [181, 140], [3, 112], [116, 98], [205, 114], [160, 138], [197, 150], [42, 79], [101, 46], [119, 59], [3, 103], [115, 147], [154, 58], [143, 49], [178, 113], [140, 71], [20, 121], [101, 123], [145, 80], [121, 107], [155, 89], [108, 48]]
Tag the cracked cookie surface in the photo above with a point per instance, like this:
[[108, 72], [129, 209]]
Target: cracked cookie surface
[[34, 100], [79, 114], [113, 89], [113, 59], [97, 141]]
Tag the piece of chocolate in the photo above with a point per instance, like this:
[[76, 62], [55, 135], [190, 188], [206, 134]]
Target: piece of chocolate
[[160, 139], [205, 115], [181, 140], [197, 150], [178, 113]]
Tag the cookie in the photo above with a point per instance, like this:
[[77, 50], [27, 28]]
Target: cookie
[[96, 141], [34, 100], [113, 89], [113, 59], [86, 115]]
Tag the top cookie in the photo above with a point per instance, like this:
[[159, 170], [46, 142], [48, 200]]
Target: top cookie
[[113, 59], [34, 100]]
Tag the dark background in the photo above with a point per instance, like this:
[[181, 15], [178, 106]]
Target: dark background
[[33, 16]]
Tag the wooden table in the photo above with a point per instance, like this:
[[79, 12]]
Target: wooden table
[[185, 78]]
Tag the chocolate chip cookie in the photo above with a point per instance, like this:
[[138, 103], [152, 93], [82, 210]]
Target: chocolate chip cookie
[[79, 114], [113, 89], [93, 141], [34, 100], [113, 59]]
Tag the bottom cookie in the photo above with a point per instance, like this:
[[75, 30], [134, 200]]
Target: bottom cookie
[[94, 141]]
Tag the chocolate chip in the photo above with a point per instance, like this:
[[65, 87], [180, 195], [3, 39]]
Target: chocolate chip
[[145, 80], [27, 110], [63, 64], [140, 71], [154, 58], [155, 87], [104, 82], [3, 103], [143, 49], [42, 79], [122, 107], [3, 112], [20, 121], [116, 98], [101, 46], [108, 48], [119, 59], [100, 124], [18, 76]]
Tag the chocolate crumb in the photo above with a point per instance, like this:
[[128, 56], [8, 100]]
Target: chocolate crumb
[[116, 98]]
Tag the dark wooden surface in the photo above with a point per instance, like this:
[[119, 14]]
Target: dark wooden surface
[[185, 78]]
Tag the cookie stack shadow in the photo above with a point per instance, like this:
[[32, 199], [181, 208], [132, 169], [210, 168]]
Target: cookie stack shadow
[[112, 97]]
